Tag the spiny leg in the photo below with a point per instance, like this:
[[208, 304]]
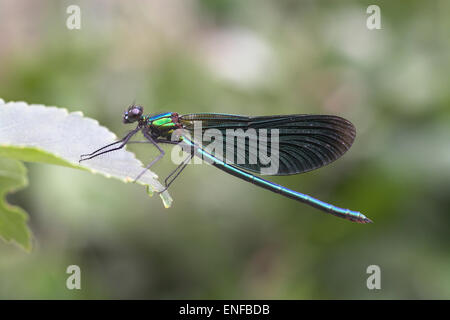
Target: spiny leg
[[177, 172], [161, 151], [123, 142], [109, 145]]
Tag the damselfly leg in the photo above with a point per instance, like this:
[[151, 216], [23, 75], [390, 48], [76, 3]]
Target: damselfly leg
[[177, 171], [97, 152], [161, 152]]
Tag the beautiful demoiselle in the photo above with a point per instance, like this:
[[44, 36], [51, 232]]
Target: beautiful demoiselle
[[297, 144]]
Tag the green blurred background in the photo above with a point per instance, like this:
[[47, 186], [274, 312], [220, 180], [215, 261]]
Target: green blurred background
[[223, 238]]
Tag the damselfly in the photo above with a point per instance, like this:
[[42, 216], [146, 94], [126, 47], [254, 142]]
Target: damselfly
[[304, 143]]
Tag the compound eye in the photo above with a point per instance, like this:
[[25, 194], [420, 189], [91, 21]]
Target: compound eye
[[135, 111]]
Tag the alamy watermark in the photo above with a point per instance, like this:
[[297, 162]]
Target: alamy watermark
[[259, 147], [374, 280], [74, 280], [74, 19], [374, 20]]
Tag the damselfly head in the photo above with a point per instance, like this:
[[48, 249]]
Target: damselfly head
[[132, 114]]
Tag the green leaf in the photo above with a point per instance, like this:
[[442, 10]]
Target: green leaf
[[37, 133], [13, 219]]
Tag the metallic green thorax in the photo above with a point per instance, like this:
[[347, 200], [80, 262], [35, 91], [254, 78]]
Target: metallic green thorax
[[164, 123]]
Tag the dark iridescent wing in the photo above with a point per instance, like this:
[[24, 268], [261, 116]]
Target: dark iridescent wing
[[306, 142]]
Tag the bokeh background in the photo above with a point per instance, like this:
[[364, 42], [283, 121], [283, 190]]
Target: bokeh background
[[224, 238]]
